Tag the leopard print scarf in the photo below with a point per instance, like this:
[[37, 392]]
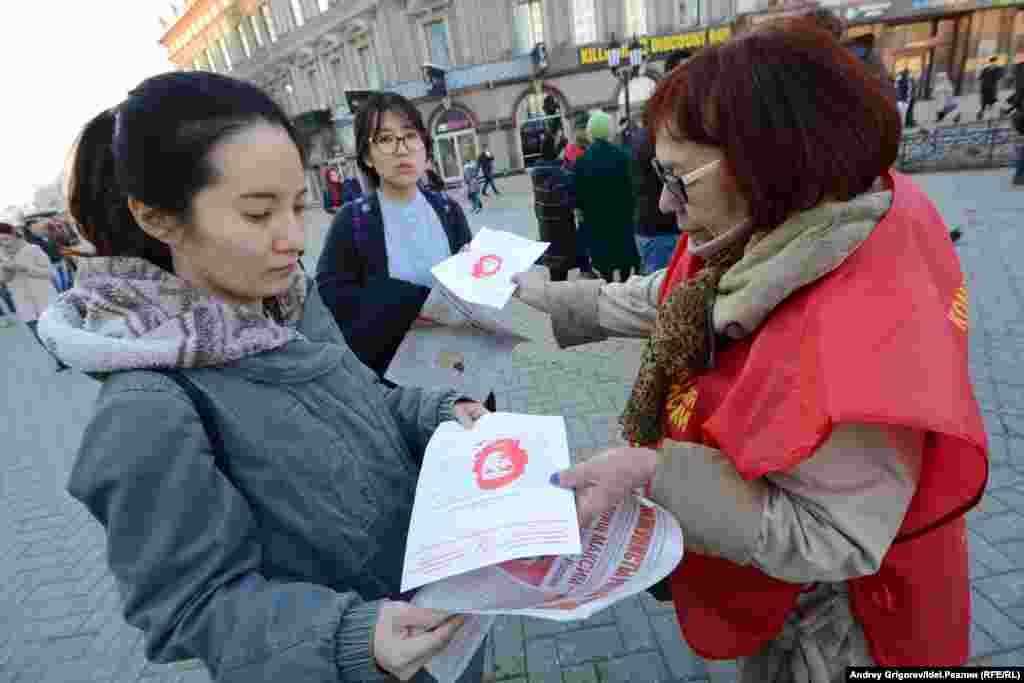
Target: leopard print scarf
[[678, 347]]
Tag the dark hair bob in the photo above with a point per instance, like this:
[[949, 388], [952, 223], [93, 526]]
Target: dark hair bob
[[367, 124], [155, 147], [798, 118]]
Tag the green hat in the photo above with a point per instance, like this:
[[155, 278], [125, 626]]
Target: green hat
[[599, 126]]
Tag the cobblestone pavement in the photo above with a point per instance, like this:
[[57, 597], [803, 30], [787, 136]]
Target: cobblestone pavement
[[59, 618]]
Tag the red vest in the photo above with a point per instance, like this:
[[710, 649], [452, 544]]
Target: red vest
[[882, 339]]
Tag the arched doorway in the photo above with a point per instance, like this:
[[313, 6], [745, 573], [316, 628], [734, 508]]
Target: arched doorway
[[537, 113], [455, 141]]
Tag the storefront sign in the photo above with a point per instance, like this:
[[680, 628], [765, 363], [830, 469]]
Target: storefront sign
[[654, 46]]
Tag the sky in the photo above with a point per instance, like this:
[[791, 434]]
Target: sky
[[64, 61]]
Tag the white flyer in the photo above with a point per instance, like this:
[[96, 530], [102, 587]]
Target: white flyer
[[467, 350], [483, 273], [625, 551], [484, 496]]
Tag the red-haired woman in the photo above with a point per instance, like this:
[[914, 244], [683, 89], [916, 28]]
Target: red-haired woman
[[803, 406]]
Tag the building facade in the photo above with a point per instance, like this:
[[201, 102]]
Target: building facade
[[308, 53]]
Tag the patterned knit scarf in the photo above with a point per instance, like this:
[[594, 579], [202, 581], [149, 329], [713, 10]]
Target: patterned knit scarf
[[126, 313], [677, 347]]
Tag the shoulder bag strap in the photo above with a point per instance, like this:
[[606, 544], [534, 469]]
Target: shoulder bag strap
[[205, 410]]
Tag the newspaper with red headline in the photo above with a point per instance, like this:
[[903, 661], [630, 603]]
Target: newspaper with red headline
[[624, 551]]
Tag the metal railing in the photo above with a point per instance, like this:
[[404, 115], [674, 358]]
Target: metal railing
[[983, 144]]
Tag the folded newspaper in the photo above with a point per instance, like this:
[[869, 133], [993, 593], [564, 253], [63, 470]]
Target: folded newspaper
[[485, 540], [467, 350]]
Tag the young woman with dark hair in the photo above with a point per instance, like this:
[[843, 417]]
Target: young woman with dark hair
[[265, 534], [803, 406], [374, 270]]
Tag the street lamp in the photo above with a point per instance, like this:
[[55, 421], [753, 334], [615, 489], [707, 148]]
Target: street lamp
[[626, 71]]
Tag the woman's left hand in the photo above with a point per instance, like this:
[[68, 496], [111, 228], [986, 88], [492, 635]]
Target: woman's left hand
[[469, 412], [606, 480]]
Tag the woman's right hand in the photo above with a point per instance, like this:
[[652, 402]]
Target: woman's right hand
[[406, 637], [531, 290]]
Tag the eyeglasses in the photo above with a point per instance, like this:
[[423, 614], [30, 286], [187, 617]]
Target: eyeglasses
[[677, 184], [388, 142]]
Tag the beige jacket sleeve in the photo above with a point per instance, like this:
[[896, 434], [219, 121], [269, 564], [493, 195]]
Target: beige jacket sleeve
[[587, 311], [830, 518]]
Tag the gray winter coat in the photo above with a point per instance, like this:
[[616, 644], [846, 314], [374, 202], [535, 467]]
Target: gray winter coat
[[276, 573]]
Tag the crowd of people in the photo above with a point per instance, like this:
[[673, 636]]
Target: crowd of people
[[797, 296]]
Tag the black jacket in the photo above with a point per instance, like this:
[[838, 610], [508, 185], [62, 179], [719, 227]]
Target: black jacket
[[650, 221], [374, 310]]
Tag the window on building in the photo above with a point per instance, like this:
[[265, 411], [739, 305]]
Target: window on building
[[528, 20], [254, 24], [370, 67], [223, 44], [693, 12], [436, 34], [209, 59], [197, 65], [339, 83], [324, 5], [636, 17], [584, 20], [244, 40], [314, 88], [268, 22], [297, 13]]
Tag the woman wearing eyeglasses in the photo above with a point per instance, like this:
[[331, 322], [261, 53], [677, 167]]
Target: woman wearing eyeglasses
[[803, 406], [374, 270]]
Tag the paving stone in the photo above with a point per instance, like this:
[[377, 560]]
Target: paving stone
[[584, 673], [654, 607], [542, 660], [994, 622], [578, 647], [682, 662], [538, 628], [1004, 526], [999, 477], [52, 628], [509, 654], [989, 555], [635, 626], [635, 668]]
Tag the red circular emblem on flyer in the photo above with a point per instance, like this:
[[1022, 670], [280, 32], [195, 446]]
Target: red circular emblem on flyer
[[499, 463], [487, 266]]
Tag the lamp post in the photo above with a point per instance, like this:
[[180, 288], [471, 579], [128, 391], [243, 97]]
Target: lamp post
[[626, 72]]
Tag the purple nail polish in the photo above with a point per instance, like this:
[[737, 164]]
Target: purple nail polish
[[554, 479]]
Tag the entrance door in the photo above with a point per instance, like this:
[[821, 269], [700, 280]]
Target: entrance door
[[453, 150]]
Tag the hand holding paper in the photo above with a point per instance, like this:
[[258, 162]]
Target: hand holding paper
[[482, 275]]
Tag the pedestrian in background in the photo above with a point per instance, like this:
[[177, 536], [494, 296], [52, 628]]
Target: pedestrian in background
[[904, 93], [8, 310], [820, 469], [333, 190], [575, 149], [656, 231], [603, 184], [553, 205], [26, 269], [486, 163], [257, 523], [471, 183], [989, 78], [946, 97]]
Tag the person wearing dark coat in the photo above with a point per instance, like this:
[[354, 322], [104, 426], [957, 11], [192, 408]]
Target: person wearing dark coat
[[656, 232], [604, 192], [553, 202], [989, 77]]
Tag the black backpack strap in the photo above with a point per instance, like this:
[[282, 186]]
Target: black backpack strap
[[205, 410]]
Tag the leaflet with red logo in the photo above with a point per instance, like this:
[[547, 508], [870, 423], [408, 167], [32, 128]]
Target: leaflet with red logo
[[484, 497], [483, 273]]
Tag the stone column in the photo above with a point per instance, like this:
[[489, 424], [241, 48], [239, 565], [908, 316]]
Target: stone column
[[327, 81]]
